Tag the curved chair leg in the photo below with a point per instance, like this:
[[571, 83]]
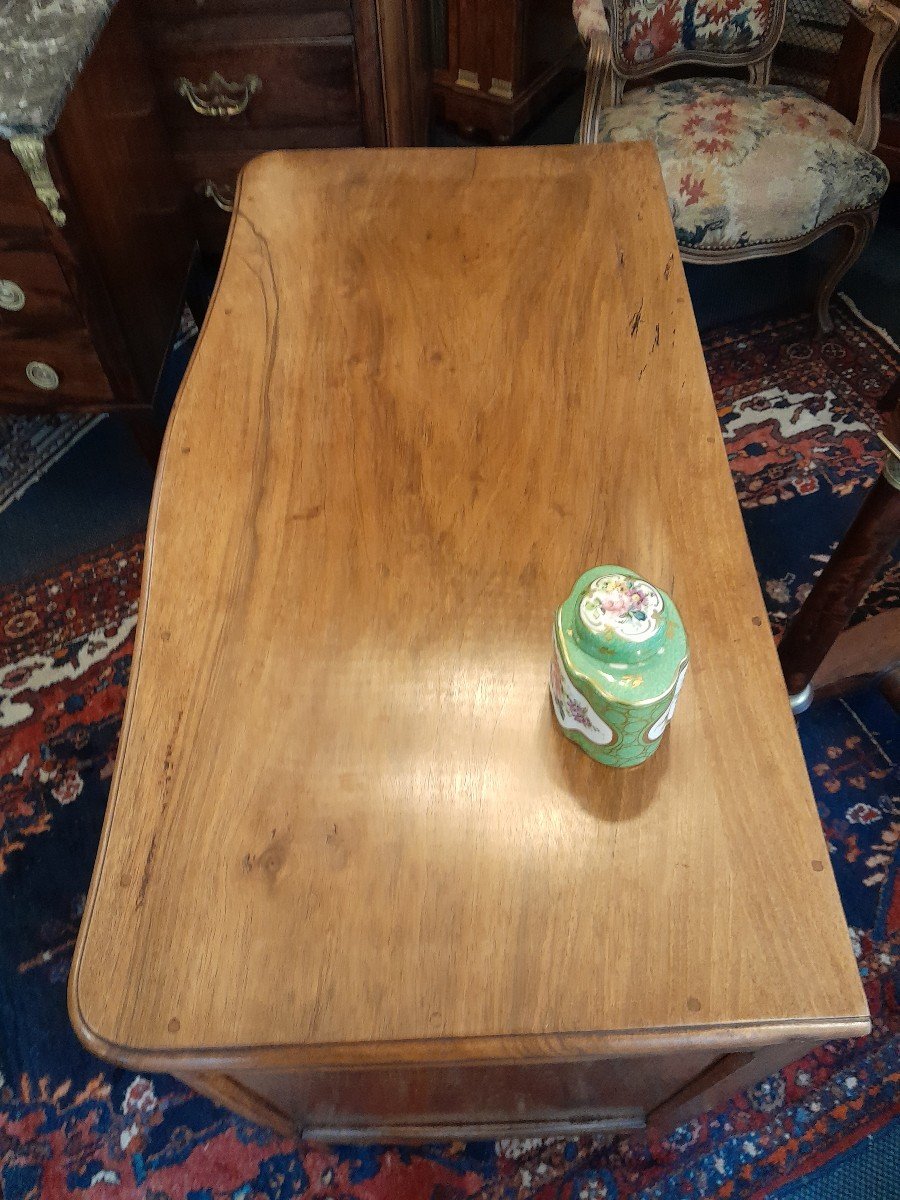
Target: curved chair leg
[[855, 232]]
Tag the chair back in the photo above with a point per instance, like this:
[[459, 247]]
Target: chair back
[[650, 35]]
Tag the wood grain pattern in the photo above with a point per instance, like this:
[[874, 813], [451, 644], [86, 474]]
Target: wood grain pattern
[[50, 327], [222, 1089], [730, 1075], [334, 73], [406, 69], [343, 827]]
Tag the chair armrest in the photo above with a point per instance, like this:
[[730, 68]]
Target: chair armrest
[[882, 19], [590, 17]]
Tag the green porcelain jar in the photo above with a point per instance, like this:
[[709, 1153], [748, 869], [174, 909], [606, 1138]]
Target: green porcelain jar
[[619, 659]]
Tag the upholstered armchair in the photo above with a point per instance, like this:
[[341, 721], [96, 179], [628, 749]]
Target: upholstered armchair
[[751, 168]]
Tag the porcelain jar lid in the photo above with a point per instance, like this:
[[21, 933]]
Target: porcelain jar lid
[[623, 634]]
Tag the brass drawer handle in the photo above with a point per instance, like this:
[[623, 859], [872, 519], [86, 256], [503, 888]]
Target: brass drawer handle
[[222, 197], [12, 298], [217, 97], [43, 376]]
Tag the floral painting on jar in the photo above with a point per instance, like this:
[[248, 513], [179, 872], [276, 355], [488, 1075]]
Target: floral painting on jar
[[622, 605]]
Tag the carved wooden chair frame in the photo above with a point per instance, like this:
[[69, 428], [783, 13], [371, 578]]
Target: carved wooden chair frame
[[608, 73]]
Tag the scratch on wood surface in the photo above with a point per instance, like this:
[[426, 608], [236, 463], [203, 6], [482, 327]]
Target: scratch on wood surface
[[637, 318], [168, 768], [145, 878]]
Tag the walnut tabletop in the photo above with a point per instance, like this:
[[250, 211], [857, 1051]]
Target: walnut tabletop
[[344, 833]]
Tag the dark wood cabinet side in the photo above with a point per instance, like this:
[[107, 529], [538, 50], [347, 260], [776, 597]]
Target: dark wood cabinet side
[[126, 246], [505, 60], [145, 171]]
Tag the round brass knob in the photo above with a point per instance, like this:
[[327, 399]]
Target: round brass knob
[[43, 376], [12, 298]]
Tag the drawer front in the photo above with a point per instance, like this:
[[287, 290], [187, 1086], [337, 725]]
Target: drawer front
[[241, 79], [212, 78], [47, 358], [210, 170], [34, 272], [491, 1098], [59, 371]]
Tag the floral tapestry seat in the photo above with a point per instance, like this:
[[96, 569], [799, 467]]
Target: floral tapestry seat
[[751, 169], [745, 165]]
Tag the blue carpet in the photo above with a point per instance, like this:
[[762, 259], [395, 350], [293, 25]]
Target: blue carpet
[[870, 1170]]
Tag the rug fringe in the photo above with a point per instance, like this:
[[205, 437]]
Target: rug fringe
[[879, 329]]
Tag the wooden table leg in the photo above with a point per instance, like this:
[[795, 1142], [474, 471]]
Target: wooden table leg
[[147, 433], [843, 583], [865, 654]]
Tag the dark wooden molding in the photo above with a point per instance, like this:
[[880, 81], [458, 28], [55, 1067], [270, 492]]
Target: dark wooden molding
[[506, 60]]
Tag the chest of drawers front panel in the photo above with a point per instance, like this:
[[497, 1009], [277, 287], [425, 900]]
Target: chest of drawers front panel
[[236, 78], [47, 357]]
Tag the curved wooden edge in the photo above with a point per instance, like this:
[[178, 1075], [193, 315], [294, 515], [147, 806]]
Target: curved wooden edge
[[723, 1078], [882, 19], [629, 1043], [607, 73], [853, 217], [860, 656], [90, 1038], [858, 230], [454, 1051], [224, 1090]]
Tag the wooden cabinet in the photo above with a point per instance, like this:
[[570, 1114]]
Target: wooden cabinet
[[352, 878], [239, 77], [40, 321], [499, 61], [93, 275], [175, 98]]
